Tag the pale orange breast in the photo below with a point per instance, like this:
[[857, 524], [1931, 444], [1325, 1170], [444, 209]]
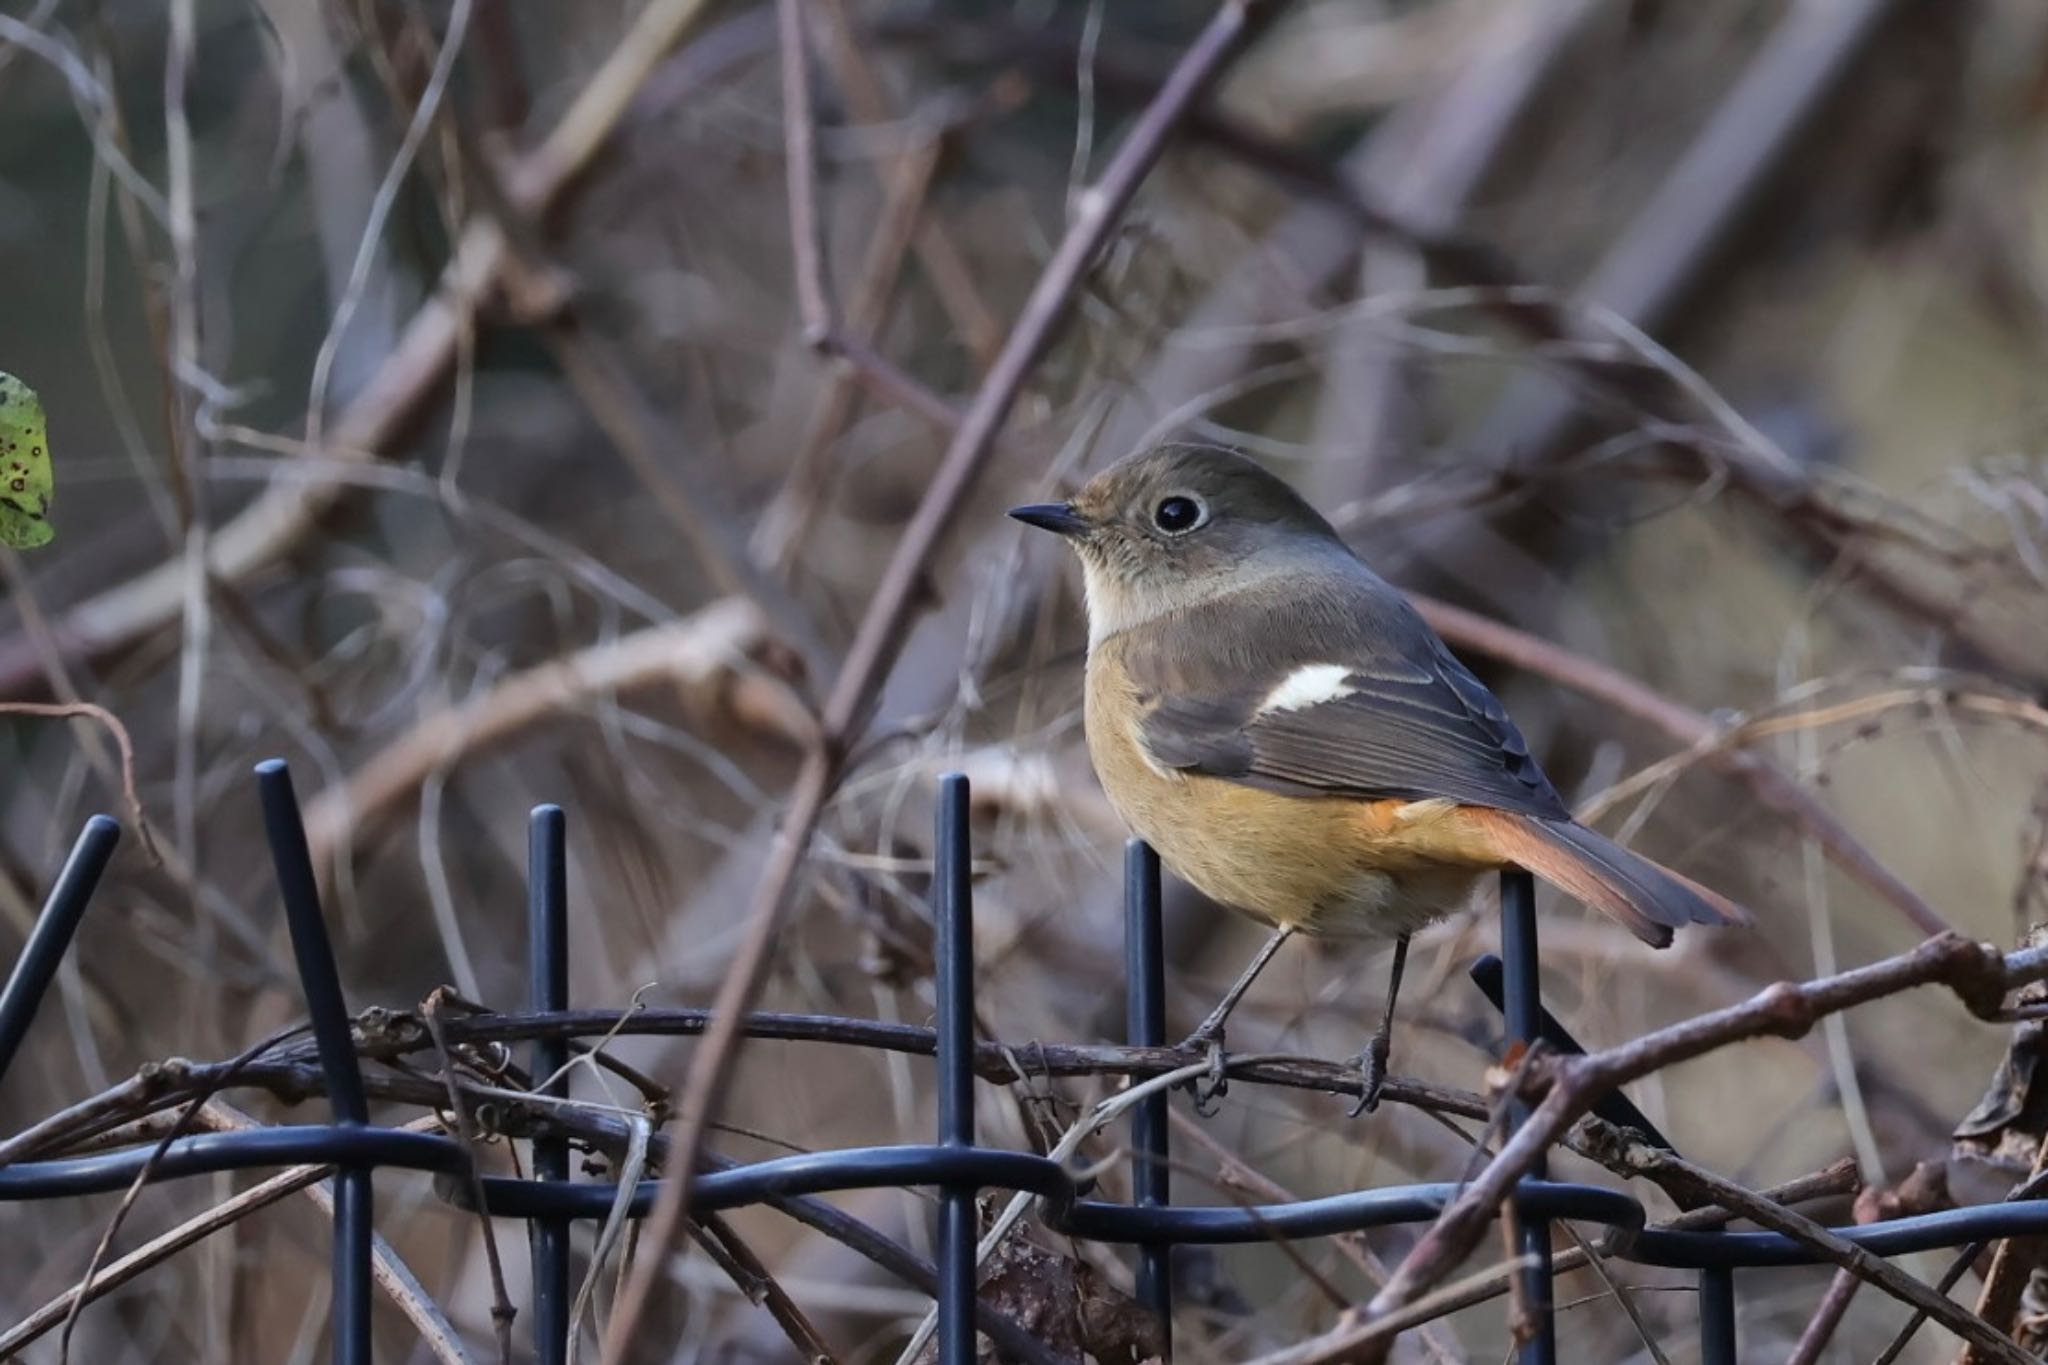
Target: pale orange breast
[[1328, 865]]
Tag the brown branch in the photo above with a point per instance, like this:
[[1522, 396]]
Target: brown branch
[[979, 330], [800, 158], [1770, 784], [754, 1280], [1820, 1328], [892, 384], [1827, 1183], [706, 656], [1830, 1246], [91, 711], [677, 484], [882, 629], [1965, 1258], [1569, 1086], [289, 1071], [787, 519]]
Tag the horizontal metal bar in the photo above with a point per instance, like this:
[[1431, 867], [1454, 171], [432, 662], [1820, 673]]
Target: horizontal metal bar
[[860, 1168], [1354, 1212], [323, 1144], [876, 1167], [1922, 1232]]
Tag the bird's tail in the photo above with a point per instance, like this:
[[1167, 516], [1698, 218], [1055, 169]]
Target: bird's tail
[[1650, 899]]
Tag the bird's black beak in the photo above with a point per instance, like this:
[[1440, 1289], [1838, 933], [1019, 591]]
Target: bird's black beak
[[1058, 517]]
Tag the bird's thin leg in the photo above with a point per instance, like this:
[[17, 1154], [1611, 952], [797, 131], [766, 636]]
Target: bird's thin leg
[[1372, 1063], [1211, 1029], [1209, 1034]]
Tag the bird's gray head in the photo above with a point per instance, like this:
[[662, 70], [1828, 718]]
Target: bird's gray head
[[1177, 526]]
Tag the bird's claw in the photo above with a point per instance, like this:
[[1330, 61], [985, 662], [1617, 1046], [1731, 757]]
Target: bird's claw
[[1216, 1083], [1371, 1066]]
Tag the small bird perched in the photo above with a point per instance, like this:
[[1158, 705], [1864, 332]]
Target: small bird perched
[[1282, 726]]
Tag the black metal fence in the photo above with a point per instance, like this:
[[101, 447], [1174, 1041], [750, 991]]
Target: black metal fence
[[953, 1164]]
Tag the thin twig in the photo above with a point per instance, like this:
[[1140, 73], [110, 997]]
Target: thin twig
[[92, 711], [683, 493], [1622, 1294], [502, 1311], [980, 331], [1827, 1316], [800, 167], [786, 521], [1235, 1170], [1326, 1350], [750, 1274], [186, 1119], [380, 209]]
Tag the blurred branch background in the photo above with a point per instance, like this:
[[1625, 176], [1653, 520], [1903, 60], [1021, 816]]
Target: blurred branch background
[[470, 401]]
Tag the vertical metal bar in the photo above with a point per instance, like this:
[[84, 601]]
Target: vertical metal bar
[[1717, 1317], [1145, 1025], [1524, 1013], [50, 937], [547, 966], [325, 1003], [953, 916]]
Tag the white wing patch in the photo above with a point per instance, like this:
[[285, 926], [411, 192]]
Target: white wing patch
[[1309, 685]]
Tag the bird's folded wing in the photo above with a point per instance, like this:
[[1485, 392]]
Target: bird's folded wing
[[1326, 719]]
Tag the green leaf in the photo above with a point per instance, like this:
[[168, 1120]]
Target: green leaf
[[26, 486]]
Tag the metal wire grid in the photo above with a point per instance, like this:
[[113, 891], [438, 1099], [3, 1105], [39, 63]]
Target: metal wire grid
[[954, 1164]]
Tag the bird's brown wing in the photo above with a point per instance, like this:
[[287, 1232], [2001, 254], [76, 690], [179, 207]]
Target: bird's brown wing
[[1407, 721]]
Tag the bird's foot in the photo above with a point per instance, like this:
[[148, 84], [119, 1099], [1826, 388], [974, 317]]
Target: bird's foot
[[1371, 1066], [1214, 1085]]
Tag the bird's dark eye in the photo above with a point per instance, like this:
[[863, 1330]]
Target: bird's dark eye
[[1176, 514]]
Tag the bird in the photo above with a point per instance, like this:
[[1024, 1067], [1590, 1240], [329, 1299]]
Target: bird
[[1295, 742]]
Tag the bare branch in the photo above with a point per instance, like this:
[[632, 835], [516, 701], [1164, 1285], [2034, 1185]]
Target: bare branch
[[1833, 1248], [708, 657], [1977, 974], [800, 156], [90, 711]]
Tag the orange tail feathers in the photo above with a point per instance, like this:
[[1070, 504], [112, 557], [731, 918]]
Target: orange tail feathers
[[1647, 897]]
